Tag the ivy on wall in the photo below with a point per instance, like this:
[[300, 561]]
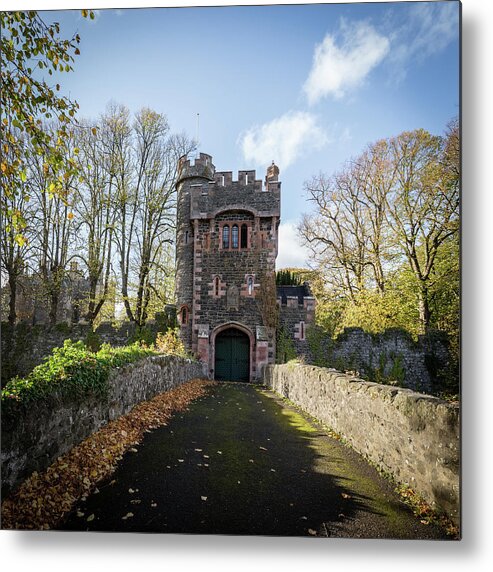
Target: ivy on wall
[[267, 300], [285, 349], [71, 370]]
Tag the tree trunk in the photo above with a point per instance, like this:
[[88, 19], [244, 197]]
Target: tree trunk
[[54, 299], [12, 298], [91, 314], [140, 317], [126, 302], [424, 310]]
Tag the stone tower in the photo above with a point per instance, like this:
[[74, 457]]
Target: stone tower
[[226, 245]]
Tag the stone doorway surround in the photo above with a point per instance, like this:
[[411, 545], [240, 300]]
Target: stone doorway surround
[[243, 329]]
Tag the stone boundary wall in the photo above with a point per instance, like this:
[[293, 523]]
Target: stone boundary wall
[[41, 339], [39, 434], [413, 436], [392, 356]]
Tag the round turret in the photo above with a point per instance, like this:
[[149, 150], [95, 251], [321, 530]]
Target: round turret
[[190, 173]]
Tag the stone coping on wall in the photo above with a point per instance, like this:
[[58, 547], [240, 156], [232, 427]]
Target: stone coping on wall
[[412, 436], [47, 429]]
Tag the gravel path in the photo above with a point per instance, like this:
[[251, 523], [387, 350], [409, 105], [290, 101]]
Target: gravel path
[[239, 461]]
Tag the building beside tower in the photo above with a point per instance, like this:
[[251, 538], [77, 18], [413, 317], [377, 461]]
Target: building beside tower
[[226, 248]]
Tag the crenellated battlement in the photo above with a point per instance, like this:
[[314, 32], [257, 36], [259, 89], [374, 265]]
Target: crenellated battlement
[[210, 197], [203, 191], [225, 178], [245, 179], [203, 160], [202, 167], [198, 167]]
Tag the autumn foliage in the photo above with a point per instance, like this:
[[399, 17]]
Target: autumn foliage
[[45, 498]]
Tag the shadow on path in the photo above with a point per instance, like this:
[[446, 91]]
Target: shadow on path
[[240, 462]]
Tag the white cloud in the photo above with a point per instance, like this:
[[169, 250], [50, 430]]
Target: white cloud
[[283, 139], [291, 253], [339, 68], [429, 29]]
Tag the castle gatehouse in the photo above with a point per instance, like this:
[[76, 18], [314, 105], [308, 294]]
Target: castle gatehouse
[[226, 248]]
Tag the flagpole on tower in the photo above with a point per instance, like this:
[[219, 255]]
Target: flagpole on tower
[[198, 133]]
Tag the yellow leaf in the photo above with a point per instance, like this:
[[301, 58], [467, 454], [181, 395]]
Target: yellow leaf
[[21, 240], [94, 130], [70, 216]]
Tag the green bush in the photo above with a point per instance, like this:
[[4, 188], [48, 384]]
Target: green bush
[[62, 327], [319, 343], [170, 343], [93, 341], [285, 349], [144, 335], [398, 370], [72, 370]]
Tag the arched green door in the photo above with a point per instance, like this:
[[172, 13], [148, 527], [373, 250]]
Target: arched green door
[[232, 356]]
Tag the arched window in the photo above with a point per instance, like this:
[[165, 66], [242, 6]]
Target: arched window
[[184, 316], [226, 236], [186, 237], [250, 285], [234, 236], [244, 236], [216, 286]]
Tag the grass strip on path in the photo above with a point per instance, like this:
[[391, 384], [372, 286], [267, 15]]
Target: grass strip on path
[[45, 498]]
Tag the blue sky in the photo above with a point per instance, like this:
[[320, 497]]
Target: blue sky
[[305, 85]]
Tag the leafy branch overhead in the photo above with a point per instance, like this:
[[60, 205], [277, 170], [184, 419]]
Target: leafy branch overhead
[[30, 48]]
